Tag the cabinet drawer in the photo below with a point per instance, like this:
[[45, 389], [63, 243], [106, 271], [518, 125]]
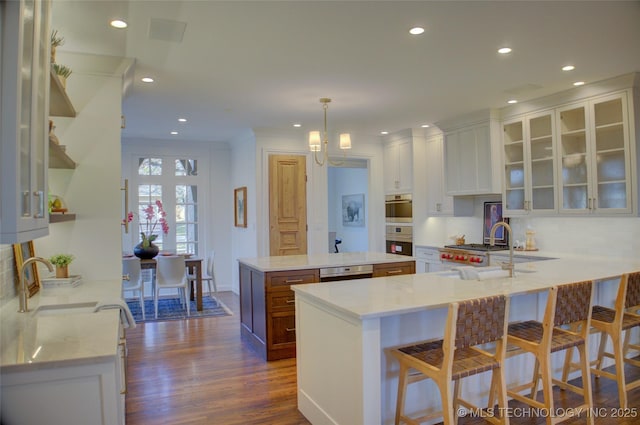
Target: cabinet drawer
[[283, 329], [282, 300], [282, 280], [394, 269], [430, 255]]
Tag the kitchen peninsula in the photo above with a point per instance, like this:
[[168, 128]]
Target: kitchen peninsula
[[343, 329], [267, 310]]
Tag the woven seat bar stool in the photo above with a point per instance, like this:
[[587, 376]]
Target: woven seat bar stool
[[567, 305], [616, 323], [459, 354]]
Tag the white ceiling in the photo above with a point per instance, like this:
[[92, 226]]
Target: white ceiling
[[264, 64]]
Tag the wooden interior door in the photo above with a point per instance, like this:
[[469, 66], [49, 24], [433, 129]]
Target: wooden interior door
[[287, 205]]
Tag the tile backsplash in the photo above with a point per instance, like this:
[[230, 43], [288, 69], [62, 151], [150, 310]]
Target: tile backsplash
[[7, 274]]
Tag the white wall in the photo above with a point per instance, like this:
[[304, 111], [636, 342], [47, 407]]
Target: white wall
[[243, 240], [348, 181], [294, 142], [92, 190]]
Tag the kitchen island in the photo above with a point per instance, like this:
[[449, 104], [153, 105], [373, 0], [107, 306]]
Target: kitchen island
[[63, 363], [342, 330], [267, 310]]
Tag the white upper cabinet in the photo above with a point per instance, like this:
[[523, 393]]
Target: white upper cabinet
[[472, 158], [438, 203], [24, 117], [595, 156], [529, 164], [398, 165]]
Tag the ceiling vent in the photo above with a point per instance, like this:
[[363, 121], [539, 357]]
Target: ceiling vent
[[166, 30]]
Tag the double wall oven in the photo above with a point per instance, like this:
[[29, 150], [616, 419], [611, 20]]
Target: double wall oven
[[399, 228]]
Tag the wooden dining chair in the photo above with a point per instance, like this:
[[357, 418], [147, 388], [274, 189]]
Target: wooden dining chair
[[567, 305], [133, 281], [470, 324], [616, 323], [171, 273]]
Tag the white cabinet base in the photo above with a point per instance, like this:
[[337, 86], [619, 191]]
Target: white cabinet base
[[87, 394]]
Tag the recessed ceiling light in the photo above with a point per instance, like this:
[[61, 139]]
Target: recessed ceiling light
[[384, 132], [118, 23], [568, 68], [504, 50], [297, 125], [416, 31], [512, 101], [182, 120], [425, 126], [579, 83], [147, 80], [174, 133]]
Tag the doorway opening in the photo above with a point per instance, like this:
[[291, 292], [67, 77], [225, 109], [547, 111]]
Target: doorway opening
[[348, 201]]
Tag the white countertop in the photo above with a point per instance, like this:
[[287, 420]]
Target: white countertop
[[315, 261], [386, 296], [30, 341]]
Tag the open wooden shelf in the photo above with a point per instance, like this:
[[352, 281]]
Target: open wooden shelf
[[58, 158], [59, 103], [59, 218]]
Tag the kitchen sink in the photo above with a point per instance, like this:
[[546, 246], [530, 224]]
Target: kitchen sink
[[64, 309], [481, 273]]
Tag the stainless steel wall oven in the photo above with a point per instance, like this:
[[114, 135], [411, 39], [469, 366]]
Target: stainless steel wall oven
[[398, 208]]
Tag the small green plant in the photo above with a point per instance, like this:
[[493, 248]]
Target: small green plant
[[61, 260], [62, 70], [56, 40]]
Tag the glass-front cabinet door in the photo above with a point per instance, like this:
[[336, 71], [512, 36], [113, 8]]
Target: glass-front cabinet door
[[542, 196], [529, 164], [594, 154], [25, 97]]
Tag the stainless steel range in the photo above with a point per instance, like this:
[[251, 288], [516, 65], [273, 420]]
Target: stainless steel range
[[477, 255]]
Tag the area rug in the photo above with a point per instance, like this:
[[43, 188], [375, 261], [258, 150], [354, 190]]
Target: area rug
[[170, 309]]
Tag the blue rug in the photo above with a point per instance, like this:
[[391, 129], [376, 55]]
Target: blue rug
[[170, 309]]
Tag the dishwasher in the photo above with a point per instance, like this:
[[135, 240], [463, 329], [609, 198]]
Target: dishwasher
[[332, 274]]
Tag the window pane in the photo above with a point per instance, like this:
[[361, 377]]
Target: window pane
[[186, 167], [150, 166]]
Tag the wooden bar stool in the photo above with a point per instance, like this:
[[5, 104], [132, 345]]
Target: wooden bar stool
[[566, 305], [615, 323], [456, 356]]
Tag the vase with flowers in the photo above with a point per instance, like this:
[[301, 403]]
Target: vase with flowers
[[155, 216]]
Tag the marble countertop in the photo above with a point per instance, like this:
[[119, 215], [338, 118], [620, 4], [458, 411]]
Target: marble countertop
[[387, 296], [315, 261], [30, 341]]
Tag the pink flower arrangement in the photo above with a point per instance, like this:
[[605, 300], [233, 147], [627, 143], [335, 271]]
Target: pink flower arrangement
[[153, 218]]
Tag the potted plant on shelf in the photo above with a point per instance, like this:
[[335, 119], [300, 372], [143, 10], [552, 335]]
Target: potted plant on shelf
[[61, 261], [56, 41], [63, 72]]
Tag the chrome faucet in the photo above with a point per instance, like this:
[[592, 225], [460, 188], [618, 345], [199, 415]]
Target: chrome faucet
[[492, 241], [23, 283]]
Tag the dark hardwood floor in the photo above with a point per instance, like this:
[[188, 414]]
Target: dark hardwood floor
[[199, 371]]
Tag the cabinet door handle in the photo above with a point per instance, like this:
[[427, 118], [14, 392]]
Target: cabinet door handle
[[123, 356], [293, 301], [394, 271], [293, 281], [40, 204], [594, 204], [590, 203], [290, 329]]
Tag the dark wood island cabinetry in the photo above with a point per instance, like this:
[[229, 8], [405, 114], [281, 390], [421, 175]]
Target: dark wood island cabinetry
[[267, 303]]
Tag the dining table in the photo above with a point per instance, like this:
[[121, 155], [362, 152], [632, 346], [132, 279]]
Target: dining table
[[194, 266]]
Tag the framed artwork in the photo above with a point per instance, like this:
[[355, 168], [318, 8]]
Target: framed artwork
[[240, 206], [22, 252], [492, 215], [353, 210]]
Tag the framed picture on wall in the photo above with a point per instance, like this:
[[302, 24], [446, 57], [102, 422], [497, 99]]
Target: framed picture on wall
[[353, 210], [240, 206], [22, 252]]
